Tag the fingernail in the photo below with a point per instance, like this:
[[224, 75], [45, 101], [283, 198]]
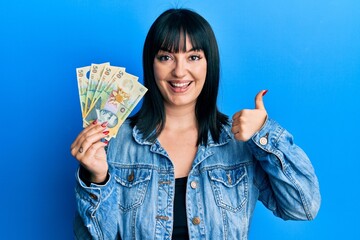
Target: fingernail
[[106, 142], [265, 92], [105, 132], [94, 122], [104, 124]]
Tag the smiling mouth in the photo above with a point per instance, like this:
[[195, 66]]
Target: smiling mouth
[[180, 84], [179, 87]]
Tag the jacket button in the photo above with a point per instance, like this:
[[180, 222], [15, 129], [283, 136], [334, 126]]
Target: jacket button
[[93, 196], [130, 178], [193, 184], [196, 220], [263, 141]]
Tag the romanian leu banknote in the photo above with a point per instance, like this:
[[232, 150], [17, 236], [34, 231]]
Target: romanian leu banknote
[[112, 98], [83, 81], [107, 77], [95, 75]]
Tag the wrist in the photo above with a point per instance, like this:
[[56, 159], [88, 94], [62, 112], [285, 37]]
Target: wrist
[[100, 179], [87, 177]]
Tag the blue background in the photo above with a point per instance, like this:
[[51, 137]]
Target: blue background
[[307, 53]]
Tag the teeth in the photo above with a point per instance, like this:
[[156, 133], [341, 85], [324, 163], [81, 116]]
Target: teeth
[[180, 84]]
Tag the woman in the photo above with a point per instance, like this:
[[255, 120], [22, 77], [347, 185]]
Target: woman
[[180, 168]]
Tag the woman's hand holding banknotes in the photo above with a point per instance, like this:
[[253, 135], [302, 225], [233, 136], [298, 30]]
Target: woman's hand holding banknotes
[[89, 150]]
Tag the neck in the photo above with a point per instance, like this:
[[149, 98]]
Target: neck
[[180, 117]]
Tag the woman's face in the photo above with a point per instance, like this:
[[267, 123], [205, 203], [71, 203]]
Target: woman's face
[[180, 76]]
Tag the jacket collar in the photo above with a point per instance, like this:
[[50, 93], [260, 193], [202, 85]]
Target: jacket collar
[[225, 137]]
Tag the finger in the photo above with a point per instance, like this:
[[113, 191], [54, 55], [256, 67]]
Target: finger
[[84, 131], [88, 138], [91, 151], [237, 136], [236, 115], [259, 104], [234, 129], [83, 150], [91, 139], [237, 120], [88, 131]]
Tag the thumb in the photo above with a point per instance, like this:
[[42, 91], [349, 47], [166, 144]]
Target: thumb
[[259, 104]]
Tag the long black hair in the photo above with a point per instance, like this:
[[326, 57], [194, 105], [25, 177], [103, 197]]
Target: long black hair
[[165, 33]]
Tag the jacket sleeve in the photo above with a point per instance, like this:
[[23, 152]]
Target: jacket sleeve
[[284, 174], [95, 217]]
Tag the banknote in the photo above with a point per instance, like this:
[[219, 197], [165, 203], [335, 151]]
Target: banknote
[[83, 81], [116, 103], [108, 94], [104, 94], [95, 74], [107, 77]]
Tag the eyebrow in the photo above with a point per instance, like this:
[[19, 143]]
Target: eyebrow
[[190, 50]]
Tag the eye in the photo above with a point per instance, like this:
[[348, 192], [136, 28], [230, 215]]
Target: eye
[[194, 57], [163, 57]]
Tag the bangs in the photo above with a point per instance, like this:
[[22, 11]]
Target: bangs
[[174, 31]]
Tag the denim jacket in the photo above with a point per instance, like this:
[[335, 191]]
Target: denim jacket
[[225, 181]]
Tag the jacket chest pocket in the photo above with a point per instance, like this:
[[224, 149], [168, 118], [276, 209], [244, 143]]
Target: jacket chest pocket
[[133, 184], [230, 187]]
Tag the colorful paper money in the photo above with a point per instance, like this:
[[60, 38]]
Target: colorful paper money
[[83, 82], [109, 95]]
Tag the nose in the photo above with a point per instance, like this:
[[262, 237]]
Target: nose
[[179, 70]]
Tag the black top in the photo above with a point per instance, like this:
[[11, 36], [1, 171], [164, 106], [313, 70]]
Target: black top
[[180, 231]]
